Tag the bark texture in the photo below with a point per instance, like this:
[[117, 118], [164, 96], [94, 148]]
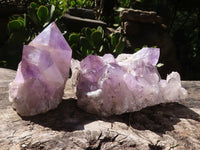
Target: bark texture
[[161, 127]]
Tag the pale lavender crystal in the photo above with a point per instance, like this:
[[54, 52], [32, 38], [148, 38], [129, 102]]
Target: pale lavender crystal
[[128, 83], [42, 73]]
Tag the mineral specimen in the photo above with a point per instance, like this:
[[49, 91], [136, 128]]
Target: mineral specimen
[[42, 73], [107, 86]]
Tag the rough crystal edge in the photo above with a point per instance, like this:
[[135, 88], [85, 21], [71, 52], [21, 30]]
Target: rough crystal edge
[[16, 104], [92, 94]]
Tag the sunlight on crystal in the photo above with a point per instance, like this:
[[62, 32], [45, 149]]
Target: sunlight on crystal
[[42, 73], [107, 86]]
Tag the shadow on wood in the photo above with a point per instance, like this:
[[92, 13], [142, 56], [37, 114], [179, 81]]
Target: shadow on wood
[[66, 117], [159, 118]]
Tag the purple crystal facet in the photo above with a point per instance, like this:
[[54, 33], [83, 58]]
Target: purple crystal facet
[[128, 83], [42, 73]]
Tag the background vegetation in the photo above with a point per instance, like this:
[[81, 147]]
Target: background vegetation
[[182, 18]]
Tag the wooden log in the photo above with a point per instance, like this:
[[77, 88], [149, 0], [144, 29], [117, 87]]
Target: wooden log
[[82, 12], [140, 16], [165, 126], [75, 24]]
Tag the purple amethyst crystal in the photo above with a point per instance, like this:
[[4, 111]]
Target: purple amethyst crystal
[[42, 73], [107, 86]]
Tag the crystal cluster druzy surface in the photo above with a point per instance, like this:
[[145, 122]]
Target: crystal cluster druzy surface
[[107, 86], [42, 73]]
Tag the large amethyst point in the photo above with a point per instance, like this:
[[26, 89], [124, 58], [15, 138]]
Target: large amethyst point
[[42, 73], [108, 86]]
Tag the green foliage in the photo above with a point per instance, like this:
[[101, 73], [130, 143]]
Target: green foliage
[[81, 4], [74, 38], [125, 3], [40, 15], [16, 28], [43, 13], [60, 6], [95, 41], [22, 29], [16, 25]]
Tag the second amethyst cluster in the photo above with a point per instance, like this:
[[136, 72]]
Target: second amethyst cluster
[[108, 86]]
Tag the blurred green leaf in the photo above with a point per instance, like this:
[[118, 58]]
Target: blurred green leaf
[[93, 29], [15, 25], [79, 3], [97, 39], [89, 51], [115, 38], [72, 3], [74, 46], [87, 32], [17, 37], [43, 13], [74, 38], [33, 16], [84, 43], [88, 4], [33, 5], [14, 17], [120, 47], [100, 29], [20, 18]]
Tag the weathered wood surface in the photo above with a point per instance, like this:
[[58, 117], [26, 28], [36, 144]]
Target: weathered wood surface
[[170, 126]]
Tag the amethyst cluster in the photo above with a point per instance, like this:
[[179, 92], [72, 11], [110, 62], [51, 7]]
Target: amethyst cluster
[[42, 73], [104, 85], [108, 86]]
